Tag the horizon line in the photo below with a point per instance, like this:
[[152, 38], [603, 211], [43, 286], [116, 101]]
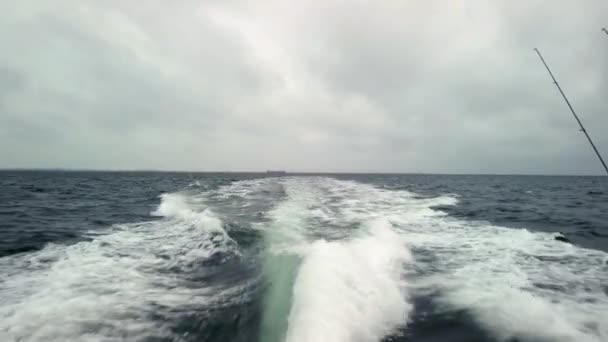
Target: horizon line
[[287, 173]]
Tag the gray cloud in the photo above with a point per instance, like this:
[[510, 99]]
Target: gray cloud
[[316, 86]]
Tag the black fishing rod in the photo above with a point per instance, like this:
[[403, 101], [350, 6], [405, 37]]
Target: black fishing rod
[[599, 156]]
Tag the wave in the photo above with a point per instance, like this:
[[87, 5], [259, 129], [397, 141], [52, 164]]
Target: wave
[[341, 290], [284, 237], [111, 288], [351, 290], [516, 284], [343, 261], [174, 205]]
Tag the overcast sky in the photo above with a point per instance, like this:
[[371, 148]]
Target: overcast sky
[[323, 85]]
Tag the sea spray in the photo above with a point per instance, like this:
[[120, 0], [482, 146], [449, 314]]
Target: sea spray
[[351, 290]]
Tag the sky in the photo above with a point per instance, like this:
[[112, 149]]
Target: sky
[[406, 86]]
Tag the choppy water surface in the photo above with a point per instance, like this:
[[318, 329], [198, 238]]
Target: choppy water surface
[[88, 256]]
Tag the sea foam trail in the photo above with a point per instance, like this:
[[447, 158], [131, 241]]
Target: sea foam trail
[[515, 283], [351, 290], [108, 289], [348, 289], [283, 237]]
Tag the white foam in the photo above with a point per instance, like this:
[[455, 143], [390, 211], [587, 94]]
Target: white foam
[[105, 289], [341, 290], [520, 284], [291, 218], [514, 282], [173, 205], [350, 290], [285, 237]]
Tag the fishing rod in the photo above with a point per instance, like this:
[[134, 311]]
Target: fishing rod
[[599, 156]]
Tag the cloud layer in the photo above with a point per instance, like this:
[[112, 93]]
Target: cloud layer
[[335, 85]]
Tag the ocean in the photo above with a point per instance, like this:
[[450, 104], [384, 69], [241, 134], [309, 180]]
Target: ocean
[[145, 256]]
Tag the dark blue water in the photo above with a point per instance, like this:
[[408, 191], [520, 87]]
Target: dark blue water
[[42, 207], [114, 256]]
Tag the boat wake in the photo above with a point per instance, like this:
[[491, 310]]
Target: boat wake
[[123, 284], [332, 261]]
